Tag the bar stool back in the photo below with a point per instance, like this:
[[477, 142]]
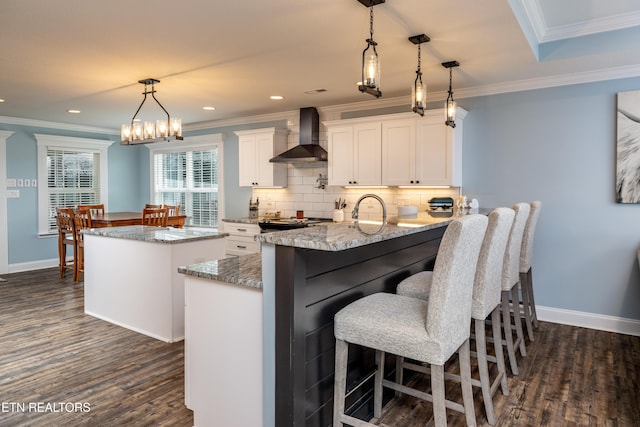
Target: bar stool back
[[486, 302], [427, 331], [526, 273], [511, 284]]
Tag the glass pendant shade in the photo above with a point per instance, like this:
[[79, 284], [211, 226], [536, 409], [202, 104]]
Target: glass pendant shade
[[418, 96], [137, 132], [176, 127], [125, 133], [371, 70], [450, 107], [162, 128], [149, 130]]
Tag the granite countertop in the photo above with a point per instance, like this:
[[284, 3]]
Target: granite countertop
[[245, 220], [342, 236], [244, 270], [155, 234]]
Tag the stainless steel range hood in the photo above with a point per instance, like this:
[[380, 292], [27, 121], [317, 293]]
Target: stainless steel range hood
[[309, 149]]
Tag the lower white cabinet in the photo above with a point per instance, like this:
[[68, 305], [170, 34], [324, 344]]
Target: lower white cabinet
[[223, 353], [241, 239]]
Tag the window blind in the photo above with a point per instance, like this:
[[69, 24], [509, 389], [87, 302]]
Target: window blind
[[189, 178], [73, 178]]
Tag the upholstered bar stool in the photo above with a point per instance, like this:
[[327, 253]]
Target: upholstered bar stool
[[64, 222], [427, 331], [485, 303], [511, 284], [526, 273]]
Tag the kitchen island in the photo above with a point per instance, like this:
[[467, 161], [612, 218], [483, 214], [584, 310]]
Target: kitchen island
[[131, 275], [259, 345], [308, 275]]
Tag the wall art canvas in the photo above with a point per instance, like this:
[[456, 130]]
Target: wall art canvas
[[628, 148]]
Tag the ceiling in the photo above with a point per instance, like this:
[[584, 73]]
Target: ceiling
[[232, 55]]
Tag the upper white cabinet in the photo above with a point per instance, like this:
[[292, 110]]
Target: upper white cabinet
[[413, 150], [256, 148], [354, 154]]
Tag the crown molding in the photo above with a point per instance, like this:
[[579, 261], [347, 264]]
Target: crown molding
[[55, 125], [593, 26], [292, 117]]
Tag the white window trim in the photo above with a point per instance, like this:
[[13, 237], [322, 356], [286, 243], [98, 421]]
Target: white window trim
[[67, 142], [192, 143]]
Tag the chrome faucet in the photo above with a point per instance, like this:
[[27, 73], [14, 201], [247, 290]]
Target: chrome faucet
[[354, 213]]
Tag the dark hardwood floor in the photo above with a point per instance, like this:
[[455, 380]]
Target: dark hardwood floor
[[92, 373]]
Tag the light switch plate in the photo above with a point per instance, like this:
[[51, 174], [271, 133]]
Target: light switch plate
[[13, 194], [11, 182]]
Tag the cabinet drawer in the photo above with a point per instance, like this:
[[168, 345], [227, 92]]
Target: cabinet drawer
[[242, 244], [236, 228]]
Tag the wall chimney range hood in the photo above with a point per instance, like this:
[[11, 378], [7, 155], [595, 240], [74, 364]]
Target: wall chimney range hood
[[309, 149]]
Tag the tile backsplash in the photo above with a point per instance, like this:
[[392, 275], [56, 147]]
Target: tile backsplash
[[304, 193]]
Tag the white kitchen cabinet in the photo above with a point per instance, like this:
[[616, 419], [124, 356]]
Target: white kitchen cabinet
[[413, 150], [399, 162], [256, 147], [354, 153], [241, 238]]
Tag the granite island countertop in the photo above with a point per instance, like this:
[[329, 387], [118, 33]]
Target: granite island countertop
[[152, 234], [348, 235], [244, 270]]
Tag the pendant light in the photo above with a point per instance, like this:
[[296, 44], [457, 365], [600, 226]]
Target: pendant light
[[419, 90], [161, 130], [450, 105], [370, 82]]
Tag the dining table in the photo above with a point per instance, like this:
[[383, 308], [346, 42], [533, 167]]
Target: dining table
[[119, 219]]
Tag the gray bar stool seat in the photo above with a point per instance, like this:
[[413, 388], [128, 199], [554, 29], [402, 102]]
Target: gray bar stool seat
[[486, 303], [427, 331]]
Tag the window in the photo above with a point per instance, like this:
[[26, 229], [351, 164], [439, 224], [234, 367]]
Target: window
[[71, 171], [189, 174]]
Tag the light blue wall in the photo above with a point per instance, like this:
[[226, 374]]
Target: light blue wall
[[559, 146]]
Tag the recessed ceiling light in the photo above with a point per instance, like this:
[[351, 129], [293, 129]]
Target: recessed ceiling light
[[73, 111], [276, 97], [315, 91], [209, 108], [1, 100]]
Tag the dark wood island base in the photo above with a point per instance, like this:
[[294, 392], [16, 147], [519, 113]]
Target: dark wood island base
[[310, 287]]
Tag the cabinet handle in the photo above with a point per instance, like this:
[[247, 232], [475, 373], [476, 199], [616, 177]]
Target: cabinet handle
[[411, 182], [417, 182], [244, 230], [241, 247]]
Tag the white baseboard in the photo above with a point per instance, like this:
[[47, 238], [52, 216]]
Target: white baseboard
[[33, 265], [589, 320], [132, 328]]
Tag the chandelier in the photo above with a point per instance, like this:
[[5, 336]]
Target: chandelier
[[419, 90], [148, 132]]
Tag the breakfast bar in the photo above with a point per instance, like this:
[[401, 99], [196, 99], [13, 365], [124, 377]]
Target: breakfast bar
[[259, 345], [131, 275]]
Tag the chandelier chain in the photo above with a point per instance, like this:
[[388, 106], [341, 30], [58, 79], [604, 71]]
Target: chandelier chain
[[371, 20]]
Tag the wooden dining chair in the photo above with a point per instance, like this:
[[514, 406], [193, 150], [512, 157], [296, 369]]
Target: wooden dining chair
[[152, 206], [154, 217], [173, 210], [93, 209], [64, 222], [81, 221]]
